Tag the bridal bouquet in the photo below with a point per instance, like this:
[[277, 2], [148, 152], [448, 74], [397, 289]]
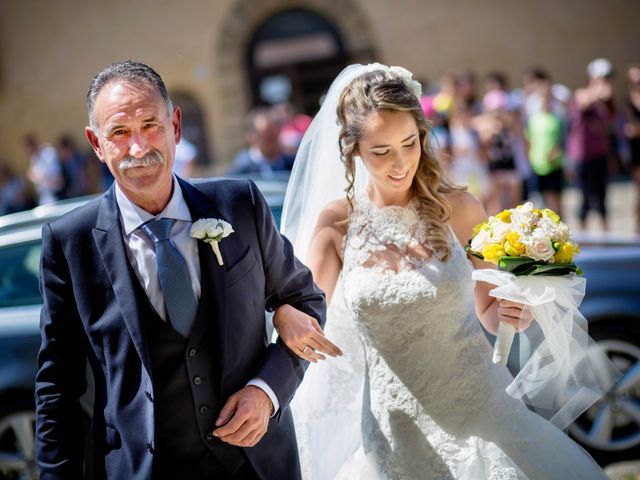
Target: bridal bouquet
[[523, 242], [566, 371]]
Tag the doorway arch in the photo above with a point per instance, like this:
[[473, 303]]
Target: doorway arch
[[193, 127], [292, 57], [241, 26]]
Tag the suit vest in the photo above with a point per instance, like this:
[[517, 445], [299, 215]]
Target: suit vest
[[185, 405]]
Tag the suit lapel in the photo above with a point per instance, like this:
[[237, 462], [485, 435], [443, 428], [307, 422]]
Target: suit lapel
[[108, 237], [213, 296]]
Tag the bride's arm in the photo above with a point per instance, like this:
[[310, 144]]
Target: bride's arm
[[323, 259], [467, 212], [324, 256]]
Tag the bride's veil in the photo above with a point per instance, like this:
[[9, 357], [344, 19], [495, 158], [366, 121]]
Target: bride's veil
[[318, 173], [328, 405]]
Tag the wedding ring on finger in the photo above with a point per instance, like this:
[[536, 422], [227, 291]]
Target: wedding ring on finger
[[304, 350]]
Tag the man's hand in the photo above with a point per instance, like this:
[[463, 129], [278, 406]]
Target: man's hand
[[244, 418]]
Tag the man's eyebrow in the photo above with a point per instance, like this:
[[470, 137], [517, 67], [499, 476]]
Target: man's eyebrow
[[115, 126]]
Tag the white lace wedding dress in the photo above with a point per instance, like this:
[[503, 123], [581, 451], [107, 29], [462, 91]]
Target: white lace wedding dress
[[435, 405]]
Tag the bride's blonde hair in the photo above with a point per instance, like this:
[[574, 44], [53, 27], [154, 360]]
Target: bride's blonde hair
[[382, 90]]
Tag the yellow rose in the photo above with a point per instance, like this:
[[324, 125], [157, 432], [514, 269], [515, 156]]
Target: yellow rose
[[493, 252], [477, 229], [551, 214], [564, 253], [537, 212], [504, 216], [513, 246]]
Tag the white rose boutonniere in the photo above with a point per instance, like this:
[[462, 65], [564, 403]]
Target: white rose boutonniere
[[212, 231]]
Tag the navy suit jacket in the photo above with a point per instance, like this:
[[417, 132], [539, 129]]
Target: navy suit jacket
[[91, 313]]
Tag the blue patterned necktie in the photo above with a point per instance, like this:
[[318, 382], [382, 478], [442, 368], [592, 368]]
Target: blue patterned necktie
[[179, 299]]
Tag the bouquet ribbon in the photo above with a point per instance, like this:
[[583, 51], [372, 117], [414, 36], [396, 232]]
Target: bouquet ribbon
[[567, 371]]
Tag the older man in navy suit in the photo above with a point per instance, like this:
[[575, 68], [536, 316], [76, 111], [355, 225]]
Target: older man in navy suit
[[186, 381]]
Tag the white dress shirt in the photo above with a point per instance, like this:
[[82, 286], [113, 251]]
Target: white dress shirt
[[141, 253]]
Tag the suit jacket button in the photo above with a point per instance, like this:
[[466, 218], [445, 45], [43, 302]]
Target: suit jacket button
[[197, 380], [192, 352], [209, 436], [204, 409]]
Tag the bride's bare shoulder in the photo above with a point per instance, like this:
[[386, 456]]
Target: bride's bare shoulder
[[329, 233], [466, 212], [334, 217], [465, 204]]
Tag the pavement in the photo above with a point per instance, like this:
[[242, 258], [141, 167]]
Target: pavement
[[622, 198], [623, 471]]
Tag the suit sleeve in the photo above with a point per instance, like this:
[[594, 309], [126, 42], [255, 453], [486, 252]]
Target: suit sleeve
[[60, 380], [288, 281]]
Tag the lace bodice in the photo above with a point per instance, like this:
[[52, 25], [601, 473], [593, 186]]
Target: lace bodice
[[388, 234], [388, 263], [417, 305]]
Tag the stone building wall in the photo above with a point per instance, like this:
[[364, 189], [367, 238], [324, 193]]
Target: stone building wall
[[49, 51]]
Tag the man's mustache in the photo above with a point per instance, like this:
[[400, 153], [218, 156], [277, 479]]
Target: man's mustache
[[152, 158]]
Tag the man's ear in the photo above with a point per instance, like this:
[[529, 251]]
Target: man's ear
[[176, 121], [95, 143]]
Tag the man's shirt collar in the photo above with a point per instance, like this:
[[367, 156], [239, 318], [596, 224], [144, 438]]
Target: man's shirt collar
[[133, 216]]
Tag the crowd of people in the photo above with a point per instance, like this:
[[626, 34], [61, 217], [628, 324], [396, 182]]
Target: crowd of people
[[272, 136], [61, 171], [509, 144], [55, 172], [506, 144]]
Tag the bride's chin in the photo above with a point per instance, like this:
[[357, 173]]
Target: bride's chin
[[400, 185]]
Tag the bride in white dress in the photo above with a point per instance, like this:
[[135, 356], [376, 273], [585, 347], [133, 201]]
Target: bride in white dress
[[426, 401]]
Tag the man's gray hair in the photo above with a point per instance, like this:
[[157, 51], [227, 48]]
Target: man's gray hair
[[132, 72]]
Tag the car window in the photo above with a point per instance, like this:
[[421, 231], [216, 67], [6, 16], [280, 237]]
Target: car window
[[277, 214], [19, 267]]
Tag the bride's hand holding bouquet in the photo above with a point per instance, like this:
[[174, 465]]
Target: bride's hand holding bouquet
[[523, 242], [534, 251]]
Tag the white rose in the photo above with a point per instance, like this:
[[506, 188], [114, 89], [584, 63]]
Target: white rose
[[219, 229], [212, 231], [499, 231], [524, 217], [539, 246], [563, 232], [199, 228], [550, 228], [227, 229], [481, 240], [211, 228], [525, 207], [525, 236]]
